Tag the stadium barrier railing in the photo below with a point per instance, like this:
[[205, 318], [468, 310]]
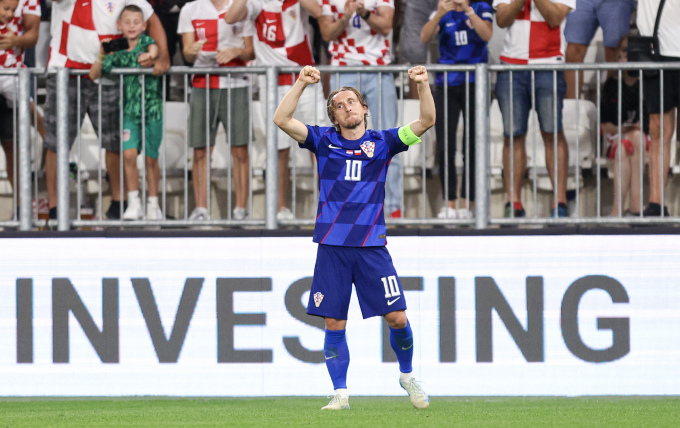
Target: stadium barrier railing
[[421, 192]]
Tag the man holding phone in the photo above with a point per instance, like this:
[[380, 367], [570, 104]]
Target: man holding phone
[[77, 28]]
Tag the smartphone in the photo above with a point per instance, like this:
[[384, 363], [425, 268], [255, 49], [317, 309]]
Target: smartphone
[[116, 45]]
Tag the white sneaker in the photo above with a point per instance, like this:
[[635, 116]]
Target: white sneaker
[[285, 214], [338, 402], [465, 214], [199, 214], [240, 213], [154, 212], [447, 213], [134, 210], [419, 399]]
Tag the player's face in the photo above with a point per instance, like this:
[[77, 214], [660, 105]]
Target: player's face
[[347, 110], [7, 8], [131, 24]]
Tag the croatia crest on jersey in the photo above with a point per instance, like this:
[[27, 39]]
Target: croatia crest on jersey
[[110, 7], [318, 297], [368, 147]]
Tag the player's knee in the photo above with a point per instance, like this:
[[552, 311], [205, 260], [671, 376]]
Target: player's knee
[[397, 319]]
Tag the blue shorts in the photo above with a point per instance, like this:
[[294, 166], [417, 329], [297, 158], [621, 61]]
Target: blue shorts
[[612, 15], [521, 100], [369, 268]]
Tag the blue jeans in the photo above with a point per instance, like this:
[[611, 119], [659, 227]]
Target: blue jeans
[[367, 83], [521, 101]]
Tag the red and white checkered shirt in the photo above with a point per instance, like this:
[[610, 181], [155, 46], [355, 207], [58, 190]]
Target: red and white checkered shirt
[[78, 26], [207, 23], [281, 35], [530, 40], [358, 44], [14, 58]]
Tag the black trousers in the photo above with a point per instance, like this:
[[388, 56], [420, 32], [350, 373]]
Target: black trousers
[[448, 116]]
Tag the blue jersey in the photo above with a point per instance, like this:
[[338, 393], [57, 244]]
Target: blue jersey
[[352, 185], [459, 43]]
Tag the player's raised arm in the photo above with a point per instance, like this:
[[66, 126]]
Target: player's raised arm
[[427, 110], [283, 117]]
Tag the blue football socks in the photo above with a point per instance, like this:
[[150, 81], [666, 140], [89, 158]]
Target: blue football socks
[[336, 352], [401, 340]]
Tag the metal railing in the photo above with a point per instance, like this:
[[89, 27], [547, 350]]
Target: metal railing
[[420, 213]]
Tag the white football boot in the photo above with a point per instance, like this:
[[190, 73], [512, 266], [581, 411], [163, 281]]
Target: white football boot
[[419, 398], [338, 402]]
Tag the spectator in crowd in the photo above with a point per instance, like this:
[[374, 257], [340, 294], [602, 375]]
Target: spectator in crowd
[[358, 33], [76, 30], [411, 49], [281, 40], [614, 18], [628, 174], [141, 47], [534, 36], [168, 14], [669, 47], [19, 28], [350, 223], [211, 42], [463, 30]]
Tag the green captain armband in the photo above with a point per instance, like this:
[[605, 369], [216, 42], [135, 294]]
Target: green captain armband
[[407, 136]]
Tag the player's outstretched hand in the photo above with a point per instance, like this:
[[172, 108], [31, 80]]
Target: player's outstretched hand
[[310, 75], [418, 74]]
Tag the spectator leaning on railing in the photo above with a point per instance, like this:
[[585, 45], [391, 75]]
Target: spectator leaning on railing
[[141, 47], [282, 41], [77, 28], [463, 30], [669, 44], [19, 25], [358, 33], [534, 37]]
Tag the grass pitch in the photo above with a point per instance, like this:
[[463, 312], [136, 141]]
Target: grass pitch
[[365, 412]]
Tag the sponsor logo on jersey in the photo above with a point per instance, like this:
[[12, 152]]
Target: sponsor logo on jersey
[[368, 147], [318, 297]]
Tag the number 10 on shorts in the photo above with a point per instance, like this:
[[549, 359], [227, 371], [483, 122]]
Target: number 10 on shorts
[[391, 286]]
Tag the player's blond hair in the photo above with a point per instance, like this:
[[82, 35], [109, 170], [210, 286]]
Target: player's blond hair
[[329, 104]]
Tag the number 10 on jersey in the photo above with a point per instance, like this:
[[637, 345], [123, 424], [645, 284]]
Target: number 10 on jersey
[[353, 171]]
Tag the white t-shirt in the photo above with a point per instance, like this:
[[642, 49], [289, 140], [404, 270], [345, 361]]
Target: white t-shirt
[[669, 26], [358, 44], [78, 26], [530, 40], [281, 36], [201, 18]]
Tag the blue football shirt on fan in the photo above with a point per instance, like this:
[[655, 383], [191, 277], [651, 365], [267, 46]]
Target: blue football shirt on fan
[[352, 185], [459, 43]]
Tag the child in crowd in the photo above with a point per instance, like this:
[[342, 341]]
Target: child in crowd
[[628, 172], [141, 47], [14, 38]]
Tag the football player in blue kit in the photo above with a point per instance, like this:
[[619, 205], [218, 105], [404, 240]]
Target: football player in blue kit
[[350, 223]]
